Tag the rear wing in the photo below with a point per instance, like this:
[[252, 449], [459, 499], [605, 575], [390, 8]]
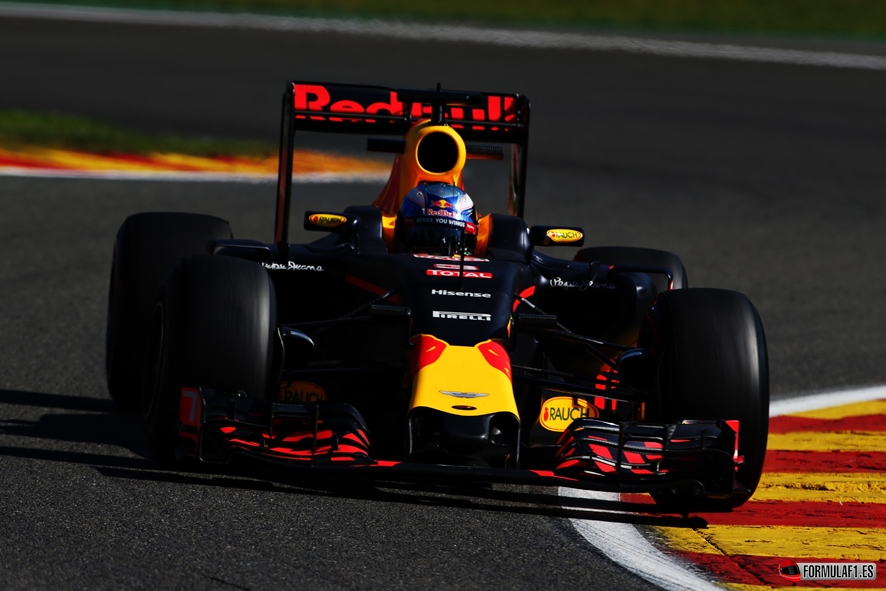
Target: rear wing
[[376, 110]]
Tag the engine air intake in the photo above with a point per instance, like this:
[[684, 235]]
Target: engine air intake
[[437, 152]]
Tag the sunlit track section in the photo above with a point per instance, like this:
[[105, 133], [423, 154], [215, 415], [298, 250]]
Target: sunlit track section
[[825, 504], [308, 166], [624, 544], [448, 33], [822, 499]]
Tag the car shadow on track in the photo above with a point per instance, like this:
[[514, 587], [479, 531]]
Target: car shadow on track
[[84, 422], [58, 401], [89, 425], [526, 500]]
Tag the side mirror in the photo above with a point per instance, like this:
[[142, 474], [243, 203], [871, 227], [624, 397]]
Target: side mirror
[[297, 347], [319, 221], [556, 236], [252, 250], [637, 369]]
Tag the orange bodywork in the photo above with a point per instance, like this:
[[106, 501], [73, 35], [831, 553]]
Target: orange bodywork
[[407, 173]]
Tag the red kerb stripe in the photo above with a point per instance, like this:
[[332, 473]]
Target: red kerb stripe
[[820, 461], [787, 513], [29, 163], [802, 514], [763, 570], [788, 424]]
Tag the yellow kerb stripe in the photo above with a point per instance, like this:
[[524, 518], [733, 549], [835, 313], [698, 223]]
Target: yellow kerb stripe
[[832, 543], [304, 161], [874, 407], [83, 161], [237, 165], [829, 441], [817, 488]]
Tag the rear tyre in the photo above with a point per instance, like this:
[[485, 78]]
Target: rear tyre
[[147, 245], [630, 255], [712, 364], [214, 326]]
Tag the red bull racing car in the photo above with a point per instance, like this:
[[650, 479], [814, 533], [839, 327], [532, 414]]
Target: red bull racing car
[[416, 338]]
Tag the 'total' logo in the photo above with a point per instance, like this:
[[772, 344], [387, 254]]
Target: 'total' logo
[[454, 273]]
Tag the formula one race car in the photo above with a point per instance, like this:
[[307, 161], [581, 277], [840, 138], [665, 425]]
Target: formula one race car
[[415, 339]]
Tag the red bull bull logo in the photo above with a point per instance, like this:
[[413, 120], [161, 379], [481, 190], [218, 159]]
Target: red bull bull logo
[[442, 204]]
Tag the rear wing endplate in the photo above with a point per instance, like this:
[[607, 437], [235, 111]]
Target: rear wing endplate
[[376, 110]]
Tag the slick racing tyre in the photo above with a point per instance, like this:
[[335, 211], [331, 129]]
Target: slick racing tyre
[[213, 327], [629, 255], [146, 247], [712, 364]]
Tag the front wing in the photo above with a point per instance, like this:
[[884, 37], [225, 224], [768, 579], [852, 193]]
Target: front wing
[[216, 427]]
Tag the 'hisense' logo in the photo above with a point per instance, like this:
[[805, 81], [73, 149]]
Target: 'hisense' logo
[[460, 294]]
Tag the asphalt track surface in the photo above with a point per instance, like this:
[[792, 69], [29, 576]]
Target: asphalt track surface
[[767, 179]]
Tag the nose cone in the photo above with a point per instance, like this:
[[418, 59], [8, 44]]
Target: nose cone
[[487, 440]]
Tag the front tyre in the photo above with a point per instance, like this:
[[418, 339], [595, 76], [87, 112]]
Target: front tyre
[[214, 326], [146, 247], [712, 364]]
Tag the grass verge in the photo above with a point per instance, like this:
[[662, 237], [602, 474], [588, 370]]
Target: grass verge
[[52, 130], [834, 17]]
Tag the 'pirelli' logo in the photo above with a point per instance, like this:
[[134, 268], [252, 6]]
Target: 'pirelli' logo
[[463, 316]]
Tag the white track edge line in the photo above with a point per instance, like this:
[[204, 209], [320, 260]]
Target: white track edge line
[[626, 546], [821, 400], [449, 33]]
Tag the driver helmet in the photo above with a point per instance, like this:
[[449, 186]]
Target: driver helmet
[[437, 218]]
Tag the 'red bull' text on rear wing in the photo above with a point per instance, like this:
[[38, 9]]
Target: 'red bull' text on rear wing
[[376, 110]]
